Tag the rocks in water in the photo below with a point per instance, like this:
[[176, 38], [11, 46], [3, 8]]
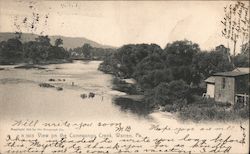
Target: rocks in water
[[59, 88], [56, 80], [83, 96], [61, 80], [52, 80], [91, 95], [46, 85]]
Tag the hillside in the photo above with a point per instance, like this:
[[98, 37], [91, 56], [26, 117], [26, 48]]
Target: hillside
[[68, 42]]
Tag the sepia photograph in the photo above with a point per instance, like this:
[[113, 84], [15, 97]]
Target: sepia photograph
[[119, 77]]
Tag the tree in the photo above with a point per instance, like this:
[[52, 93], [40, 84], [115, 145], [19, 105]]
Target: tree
[[86, 50], [43, 40], [35, 52], [180, 53], [11, 50], [178, 57], [18, 35], [233, 33], [38, 50], [169, 93], [207, 63], [132, 54], [151, 71], [58, 42], [57, 53]]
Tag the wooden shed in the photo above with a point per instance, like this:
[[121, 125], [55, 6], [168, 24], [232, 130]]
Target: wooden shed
[[229, 87]]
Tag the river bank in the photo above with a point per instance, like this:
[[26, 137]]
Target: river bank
[[133, 100], [42, 63], [196, 108]]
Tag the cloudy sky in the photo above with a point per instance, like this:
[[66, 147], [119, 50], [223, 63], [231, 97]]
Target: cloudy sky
[[119, 22]]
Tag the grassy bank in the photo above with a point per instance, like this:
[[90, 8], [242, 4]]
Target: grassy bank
[[208, 110]]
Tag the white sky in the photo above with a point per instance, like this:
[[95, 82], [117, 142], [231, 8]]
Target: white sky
[[120, 22]]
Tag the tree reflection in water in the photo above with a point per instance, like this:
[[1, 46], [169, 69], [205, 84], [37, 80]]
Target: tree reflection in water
[[138, 107]]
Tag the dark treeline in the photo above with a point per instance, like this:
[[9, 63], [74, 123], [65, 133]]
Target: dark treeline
[[38, 51], [181, 60], [88, 52], [172, 77], [41, 51]]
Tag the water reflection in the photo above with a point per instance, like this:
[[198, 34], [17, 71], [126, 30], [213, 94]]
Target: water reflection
[[129, 105]]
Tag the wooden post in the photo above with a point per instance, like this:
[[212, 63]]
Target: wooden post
[[245, 99], [236, 99]]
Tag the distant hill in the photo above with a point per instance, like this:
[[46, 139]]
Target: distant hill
[[68, 42]]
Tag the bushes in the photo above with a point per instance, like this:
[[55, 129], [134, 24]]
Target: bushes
[[153, 78], [209, 110], [241, 110], [176, 93]]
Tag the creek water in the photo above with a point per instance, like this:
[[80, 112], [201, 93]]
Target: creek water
[[22, 97]]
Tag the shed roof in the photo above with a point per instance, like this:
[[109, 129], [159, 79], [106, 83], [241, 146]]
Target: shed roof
[[211, 79], [242, 69], [231, 74]]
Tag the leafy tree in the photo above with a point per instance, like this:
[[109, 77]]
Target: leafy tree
[[169, 93], [58, 42], [178, 57], [86, 50], [57, 53], [11, 50], [180, 53], [35, 52], [43, 41], [185, 73], [18, 35], [151, 71], [208, 63], [130, 55], [38, 50]]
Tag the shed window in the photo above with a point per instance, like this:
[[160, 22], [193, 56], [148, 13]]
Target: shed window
[[223, 83]]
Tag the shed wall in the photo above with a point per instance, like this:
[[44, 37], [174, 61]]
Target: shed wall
[[224, 92]]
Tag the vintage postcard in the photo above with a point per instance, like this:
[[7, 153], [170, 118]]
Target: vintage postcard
[[116, 77]]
